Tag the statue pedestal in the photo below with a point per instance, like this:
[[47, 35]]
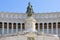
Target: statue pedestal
[[30, 24]]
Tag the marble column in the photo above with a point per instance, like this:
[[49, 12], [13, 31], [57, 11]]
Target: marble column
[[47, 28], [12, 28], [21, 26], [57, 28], [43, 28], [16, 27], [52, 28], [38, 26], [2, 27], [7, 27]]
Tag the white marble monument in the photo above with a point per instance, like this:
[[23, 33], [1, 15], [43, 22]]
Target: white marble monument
[[30, 24], [30, 32]]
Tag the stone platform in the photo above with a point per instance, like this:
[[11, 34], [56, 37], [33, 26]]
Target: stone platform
[[25, 36]]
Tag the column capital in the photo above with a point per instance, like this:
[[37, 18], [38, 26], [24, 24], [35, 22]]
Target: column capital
[[21, 22], [2, 22], [38, 22], [16, 22], [7, 22], [52, 22], [56, 22], [43, 22], [47, 22], [12, 22]]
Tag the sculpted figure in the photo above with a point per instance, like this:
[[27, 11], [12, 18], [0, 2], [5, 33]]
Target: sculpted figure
[[29, 10]]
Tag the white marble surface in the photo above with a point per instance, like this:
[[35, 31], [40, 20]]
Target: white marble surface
[[24, 37], [30, 24]]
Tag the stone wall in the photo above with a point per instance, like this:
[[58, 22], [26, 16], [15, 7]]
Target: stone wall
[[19, 17]]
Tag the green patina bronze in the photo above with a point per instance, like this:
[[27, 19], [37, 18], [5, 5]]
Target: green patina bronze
[[29, 11]]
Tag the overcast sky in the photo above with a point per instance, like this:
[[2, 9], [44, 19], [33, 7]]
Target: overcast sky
[[21, 5]]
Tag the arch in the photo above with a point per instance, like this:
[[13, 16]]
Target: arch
[[49, 25], [14, 25], [54, 25], [58, 24], [36, 26], [1, 27], [23, 26], [10, 25], [19, 26], [5, 24], [45, 25], [0, 24], [40, 25]]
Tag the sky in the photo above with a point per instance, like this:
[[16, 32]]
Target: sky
[[39, 6]]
